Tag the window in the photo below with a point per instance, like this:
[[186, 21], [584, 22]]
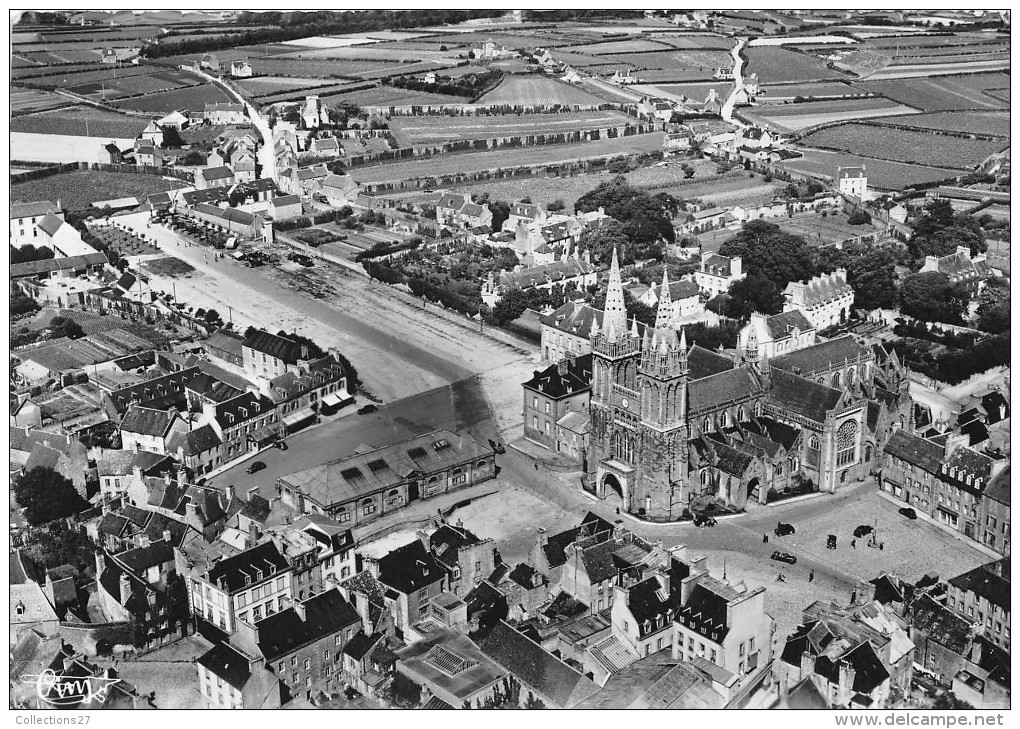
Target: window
[[279, 583], [423, 595], [547, 407], [534, 403], [750, 644], [343, 515], [338, 639], [367, 507], [741, 652], [256, 612], [846, 443], [835, 379], [325, 653], [813, 443], [308, 664]]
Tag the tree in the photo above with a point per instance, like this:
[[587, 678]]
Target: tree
[[931, 296], [869, 271], [949, 700], [556, 205], [21, 304], [751, 294], [771, 252], [500, 213], [47, 496], [993, 311], [63, 327], [646, 219], [858, 217], [940, 230], [171, 138], [601, 241]]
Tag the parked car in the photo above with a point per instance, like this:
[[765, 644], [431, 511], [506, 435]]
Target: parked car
[[784, 557], [282, 445], [255, 467], [783, 530], [700, 520], [863, 530], [367, 409], [496, 447], [908, 512]]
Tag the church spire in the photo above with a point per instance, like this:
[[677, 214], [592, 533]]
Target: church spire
[[665, 335], [614, 320]]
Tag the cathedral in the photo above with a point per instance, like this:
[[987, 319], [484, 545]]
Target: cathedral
[[670, 423]]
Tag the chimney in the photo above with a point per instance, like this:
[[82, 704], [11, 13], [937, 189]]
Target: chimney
[[299, 608], [166, 478], [167, 536], [846, 682], [253, 533], [304, 351], [423, 537], [230, 493], [180, 478], [60, 206], [361, 605], [562, 366], [125, 587], [143, 540], [807, 664], [954, 441]]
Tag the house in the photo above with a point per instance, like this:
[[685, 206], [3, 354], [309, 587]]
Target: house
[[776, 334], [658, 681], [221, 112], [655, 108], [624, 78], [303, 644], [364, 486], [717, 273], [176, 120], [522, 212], [852, 181], [146, 429], [336, 557], [147, 154], [24, 412], [466, 559], [142, 586], [315, 386], [855, 656], [210, 62], [679, 299], [110, 154], [551, 394], [339, 190], [235, 221], [230, 679], [566, 332], [982, 596], [570, 272], [825, 300], [325, 147], [246, 586], [962, 268], [461, 211], [26, 218], [755, 138], [414, 577], [543, 676], [285, 206], [240, 69], [452, 669], [248, 421], [214, 177], [308, 180], [314, 113], [266, 356], [995, 512]]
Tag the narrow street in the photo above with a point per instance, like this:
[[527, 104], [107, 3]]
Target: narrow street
[[738, 83]]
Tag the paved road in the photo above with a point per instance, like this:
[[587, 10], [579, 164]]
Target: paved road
[[460, 406], [738, 83]]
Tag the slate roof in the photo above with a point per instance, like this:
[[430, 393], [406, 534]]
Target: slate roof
[[574, 318], [233, 570], [985, 581], [217, 173], [821, 357], [226, 662], [535, 667], [159, 387], [870, 673], [959, 267], [48, 265], [731, 460], [999, 488], [722, 265], [940, 624], [273, 345], [781, 325], [703, 362], [33, 209], [446, 542], [592, 524], [802, 396], [372, 471], [708, 393], [146, 421], [706, 607], [360, 644], [284, 632], [560, 270], [409, 568], [576, 378], [916, 451], [195, 441], [244, 407], [819, 290], [140, 559], [284, 200], [50, 224]]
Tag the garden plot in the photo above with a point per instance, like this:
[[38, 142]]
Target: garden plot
[[941, 69], [627, 46], [774, 64], [29, 100], [193, 98], [943, 94], [536, 91], [882, 174], [993, 123], [429, 130], [390, 96], [81, 121], [795, 117], [78, 190]]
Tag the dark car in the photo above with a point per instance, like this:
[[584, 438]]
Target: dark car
[[496, 447], [255, 467], [367, 409], [701, 520], [863, 530], [908, 512], [784, 557], [783, 530], [282, 445]]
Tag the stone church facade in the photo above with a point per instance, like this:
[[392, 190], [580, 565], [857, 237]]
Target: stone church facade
[[671, 423]]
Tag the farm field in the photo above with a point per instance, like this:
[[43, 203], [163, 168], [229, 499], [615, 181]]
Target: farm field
[[832, 89], [882, 174], [78, 190], [72, 120], [775, 64], [476, 161], [316, 69], [641, 45], [715, 42], [112, 89], [693, 63], [534, 91], [940, 69], [60, 54], [389, 96], [374, 53], [697, 92], [427, 130], [78, 77], [28, 100], [265, 85], [194, 97], [943, 94], [924, 41], [29, 70], [995, 123], [905, 146], [794, 117]]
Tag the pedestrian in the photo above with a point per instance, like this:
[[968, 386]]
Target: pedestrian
[[765, 538], [811, 576], [881, 547], [853, 543], [536, 466], [617, 510]]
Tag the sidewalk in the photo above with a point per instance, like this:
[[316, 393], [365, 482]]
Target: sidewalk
[[550, 459], [963, 538], [416, 514]]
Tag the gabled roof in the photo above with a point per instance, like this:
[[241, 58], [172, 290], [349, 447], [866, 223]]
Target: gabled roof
[[803, 396], [782, 325], [273, 345], [575, 318], [217, 173], [703, 362], [326, 614], [33, 209], [990, 581], [264, 559], [709, 392], [591, 525], [226, 662], [409, 568], [140, 559], [916, 451], [938, 623], [50, 224], [822, 356], [565, 268], [145, 421], [446, 542], [536, 668]]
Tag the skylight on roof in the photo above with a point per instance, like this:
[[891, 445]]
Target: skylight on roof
[[351, 474], [446, 661], [378, 465]]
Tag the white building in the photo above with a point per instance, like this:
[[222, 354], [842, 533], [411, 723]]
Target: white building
[[824, 301], [717, 273], [852, 181], [26, 218], [776, 335]]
